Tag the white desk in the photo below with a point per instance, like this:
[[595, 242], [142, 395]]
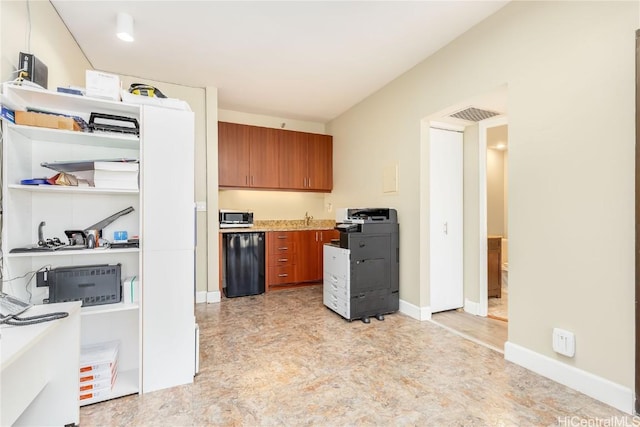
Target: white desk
[[40, 376]]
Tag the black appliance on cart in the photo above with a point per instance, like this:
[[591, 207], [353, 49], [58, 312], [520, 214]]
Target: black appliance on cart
[[361, 271]]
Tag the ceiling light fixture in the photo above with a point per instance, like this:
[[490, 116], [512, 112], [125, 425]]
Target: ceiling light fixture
[[124, 27]]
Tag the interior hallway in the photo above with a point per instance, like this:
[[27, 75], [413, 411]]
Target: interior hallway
[[284, 359]]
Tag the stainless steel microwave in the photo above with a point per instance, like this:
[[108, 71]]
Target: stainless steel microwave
[[231, 218]]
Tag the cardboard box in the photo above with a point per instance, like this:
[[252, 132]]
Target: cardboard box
[[46, 121]]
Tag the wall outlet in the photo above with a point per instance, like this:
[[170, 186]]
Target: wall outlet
[[564, 342]]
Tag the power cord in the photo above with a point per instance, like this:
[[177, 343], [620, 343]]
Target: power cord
[[32, 320], [32, 273]]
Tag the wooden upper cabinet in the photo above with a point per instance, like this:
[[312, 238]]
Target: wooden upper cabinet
[[292, 160], [257, 157], [320, 162], [306, 161], [233, 155], [247, 156], [264, 157]]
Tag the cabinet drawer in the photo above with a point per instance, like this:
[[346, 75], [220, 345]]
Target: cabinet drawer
[[280, 275], [281, 243], [281, 259]]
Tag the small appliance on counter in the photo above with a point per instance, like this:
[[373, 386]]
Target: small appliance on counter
[[361, 271], [233, 218]]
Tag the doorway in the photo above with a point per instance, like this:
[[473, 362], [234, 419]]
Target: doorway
[[495, 205], [497, 222]]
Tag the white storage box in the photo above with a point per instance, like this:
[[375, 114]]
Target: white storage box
[[102, 85]]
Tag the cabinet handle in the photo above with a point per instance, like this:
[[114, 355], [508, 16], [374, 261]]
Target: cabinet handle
[[246, 179], [308, 182], [282, 237], [316, 236], [284, 248], [251, 179], [283, 259], [283, 275]]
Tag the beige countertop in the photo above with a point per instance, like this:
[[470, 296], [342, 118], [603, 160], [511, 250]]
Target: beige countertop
[[283, 225]]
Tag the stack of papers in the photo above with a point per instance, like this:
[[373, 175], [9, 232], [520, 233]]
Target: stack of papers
[[120, 174], [98, 371]]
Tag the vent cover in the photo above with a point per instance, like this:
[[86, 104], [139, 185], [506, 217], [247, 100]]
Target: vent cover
[[473, 114]]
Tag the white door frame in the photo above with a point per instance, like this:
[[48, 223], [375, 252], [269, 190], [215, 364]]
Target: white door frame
[[483, 126]]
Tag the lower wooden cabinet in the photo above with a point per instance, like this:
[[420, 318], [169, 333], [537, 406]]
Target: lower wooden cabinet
[[494, 271], [281, 258], [295, 257]]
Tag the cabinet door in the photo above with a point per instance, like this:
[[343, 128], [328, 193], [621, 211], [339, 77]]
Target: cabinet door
[[168, 284], [264, 157], [308, 256], [320, 162], [293, 153], [233, 155], [494, 272]]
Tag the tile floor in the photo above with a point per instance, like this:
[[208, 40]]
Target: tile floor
[[499, 307], [283, 359]]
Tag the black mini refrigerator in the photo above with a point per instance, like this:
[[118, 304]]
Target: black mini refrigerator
[[243, 264]]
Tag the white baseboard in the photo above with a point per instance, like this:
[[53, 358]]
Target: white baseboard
[[472, 307], [210, 297], [418, 313], [599, 388]]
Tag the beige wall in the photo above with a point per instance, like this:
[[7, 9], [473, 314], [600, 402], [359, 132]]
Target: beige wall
[[213, 248], [50, 41], [495, 193], [471, 216], [270, 121], [569, 67], [276, 204]]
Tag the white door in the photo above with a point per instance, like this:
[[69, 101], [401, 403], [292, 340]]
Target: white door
[[445, 219]]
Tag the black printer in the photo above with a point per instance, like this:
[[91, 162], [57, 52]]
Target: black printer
[[361, 277]]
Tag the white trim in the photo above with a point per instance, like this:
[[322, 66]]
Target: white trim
[[446, 126], [418, 313], [201, 296], [472, 307], [599, 388], [209, 297], [213, 297], [482, 202]]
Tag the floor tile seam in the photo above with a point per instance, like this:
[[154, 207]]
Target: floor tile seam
[[467, 337]]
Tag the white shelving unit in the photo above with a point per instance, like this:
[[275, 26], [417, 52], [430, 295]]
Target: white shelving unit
[[165, 313]]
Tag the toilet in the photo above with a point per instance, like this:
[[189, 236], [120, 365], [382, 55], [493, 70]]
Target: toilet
[[505, 263]]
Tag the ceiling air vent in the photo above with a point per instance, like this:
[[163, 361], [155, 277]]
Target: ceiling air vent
[[474, 114]]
